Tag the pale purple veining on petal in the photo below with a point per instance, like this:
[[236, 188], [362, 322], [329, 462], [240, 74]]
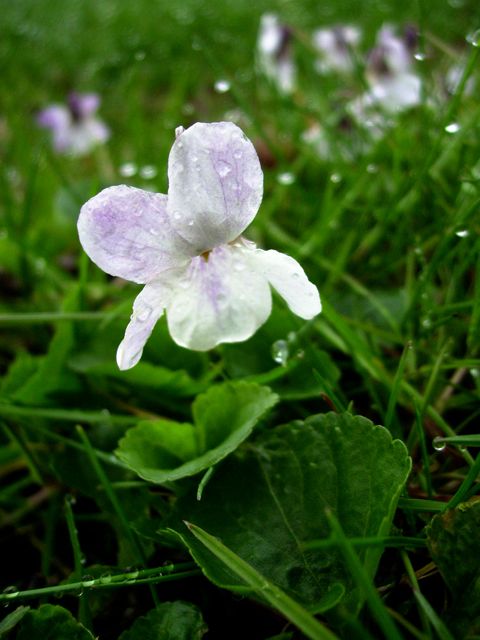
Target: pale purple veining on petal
[[218, 300], [127, 233], [215, 184]]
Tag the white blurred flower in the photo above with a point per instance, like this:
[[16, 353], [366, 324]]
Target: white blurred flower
[[335, 48], [75, 128], [274, 54]]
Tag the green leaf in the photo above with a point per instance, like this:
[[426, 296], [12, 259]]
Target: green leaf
[[51, 622], [269, 499], [11, 621], [161, 451], [294, 612], [455, 547], [169, 621]]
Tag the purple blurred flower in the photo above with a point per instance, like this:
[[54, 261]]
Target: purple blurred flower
[[274, 53], [187, 249], [75, 128]]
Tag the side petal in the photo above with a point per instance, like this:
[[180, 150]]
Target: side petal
[[55, 117], [215, 184], [218, 300], [127, 233], [147, 309], [289, 279]]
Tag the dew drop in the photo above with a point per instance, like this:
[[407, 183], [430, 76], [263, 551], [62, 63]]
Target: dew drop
[[335, 178], [475, 373], [177, 215], [148, 172], [223, 169], [420, 56], [453, 127], [144, 314], [154, 232], [372, 168], [140, 55], [438, 444], [191, 223], [286, 178], [88, 581], [222, 86], [474, 38], [105, 578], [10, 592], [280, 352], [127, 169], [178, 132], [426, 323], [463, 233], [238, 265], [237, 154]]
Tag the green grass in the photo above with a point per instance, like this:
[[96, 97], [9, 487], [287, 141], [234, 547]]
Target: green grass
[[391, 238]]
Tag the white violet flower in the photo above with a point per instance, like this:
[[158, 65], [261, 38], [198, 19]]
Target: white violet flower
[[335, 47], [274, 53], [75, 128], [187, 248]]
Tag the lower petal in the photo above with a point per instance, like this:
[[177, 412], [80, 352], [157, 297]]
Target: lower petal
[[147, 309], [289, 279], [219, 298]]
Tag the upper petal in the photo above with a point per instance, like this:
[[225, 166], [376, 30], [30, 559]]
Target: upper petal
[[289, 279], [147, 309], [218, 300], [127, 233], [215, 184]]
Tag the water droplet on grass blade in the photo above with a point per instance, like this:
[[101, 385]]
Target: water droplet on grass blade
[[148, 172], [463, 233], [222, 86], [286, 178], [453, 127], [10, 593], [474, 38], [335, 178], [128, 169], [280, 352], [420, 56], [439, 444]]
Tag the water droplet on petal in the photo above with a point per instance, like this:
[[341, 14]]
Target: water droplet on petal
[[223, 169], [463, 233], [238, 265], [280, 352], [128, 169], [191, 223], [154, 232], [286, 178], [178, 132], [148, 172], [453, 127], [237, 154], [439, 444], [144, 313], [222, 86], [177, 215]]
